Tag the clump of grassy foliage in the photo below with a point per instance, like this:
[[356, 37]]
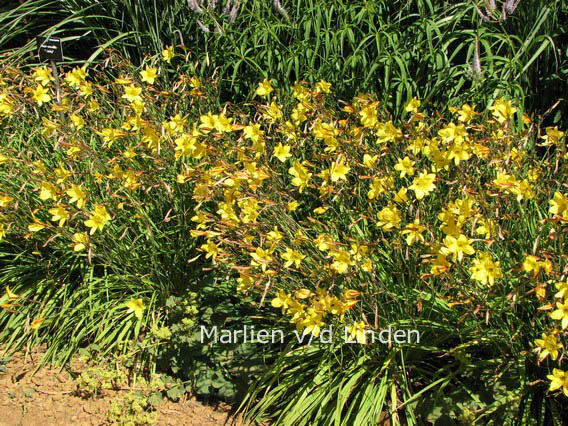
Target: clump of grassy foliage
[[96, 211], [447, 222], [121, 235]]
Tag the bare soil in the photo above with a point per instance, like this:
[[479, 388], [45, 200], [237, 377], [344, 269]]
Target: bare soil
[[50, 398]]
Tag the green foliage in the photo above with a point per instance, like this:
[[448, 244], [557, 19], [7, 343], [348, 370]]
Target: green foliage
[[433, 49], [137, 405], [213, 369], [132, 409], [343, 385], [81, 294], [95, 379], [473, 364], [3, 363]]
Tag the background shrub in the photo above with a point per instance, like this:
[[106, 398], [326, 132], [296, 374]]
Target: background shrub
[[436, 50]]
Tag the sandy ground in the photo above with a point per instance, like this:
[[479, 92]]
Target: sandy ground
[[49, 398]]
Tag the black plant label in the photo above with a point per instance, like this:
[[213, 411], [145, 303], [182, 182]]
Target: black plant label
[[49, 49]]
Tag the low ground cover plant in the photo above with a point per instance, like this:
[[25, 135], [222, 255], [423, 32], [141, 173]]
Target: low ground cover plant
[[320, 212]]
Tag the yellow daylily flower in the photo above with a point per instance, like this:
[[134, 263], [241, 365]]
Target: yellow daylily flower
[[136, 306], [149, 74]]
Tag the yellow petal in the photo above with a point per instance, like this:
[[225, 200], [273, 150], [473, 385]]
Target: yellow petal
[[11, 295], [37, 323], [136, 306]]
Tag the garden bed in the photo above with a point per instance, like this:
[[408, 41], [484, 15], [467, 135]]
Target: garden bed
[[51, 396]]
